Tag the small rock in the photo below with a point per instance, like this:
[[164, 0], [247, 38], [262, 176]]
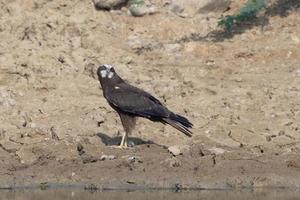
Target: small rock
[[111, 157], [109, 4], [141, 10], [130, 182], [216, 150], [179, 149], [107, 157], [21, 94], [32, 125], [131, 143], [175, 150], [133, 159], [137, 11], [103, 157]]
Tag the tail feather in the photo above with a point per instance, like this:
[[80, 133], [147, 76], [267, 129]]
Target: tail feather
[[180, 123], [184, 121]]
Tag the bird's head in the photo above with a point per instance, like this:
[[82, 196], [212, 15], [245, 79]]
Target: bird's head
[[105, 71], [108, 76]]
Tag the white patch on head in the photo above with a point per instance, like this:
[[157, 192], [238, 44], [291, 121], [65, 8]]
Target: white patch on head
[[116, 87], [103, 73], [110, 74], [107, 66]]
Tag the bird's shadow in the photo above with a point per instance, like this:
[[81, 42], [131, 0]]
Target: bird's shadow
[[114, 141]]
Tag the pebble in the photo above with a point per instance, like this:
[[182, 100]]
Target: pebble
[[107, 157], [174, 150], [133, 159], [216, 150], [141, 10], [109, 4]]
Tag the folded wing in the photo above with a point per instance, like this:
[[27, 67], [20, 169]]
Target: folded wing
[[134, 101]]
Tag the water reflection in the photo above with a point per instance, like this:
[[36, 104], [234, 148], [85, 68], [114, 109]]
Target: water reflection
[[66, 194]]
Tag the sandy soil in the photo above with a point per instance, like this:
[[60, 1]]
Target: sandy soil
[[241, 91]]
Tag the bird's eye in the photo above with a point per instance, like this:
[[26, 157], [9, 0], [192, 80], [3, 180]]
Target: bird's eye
[[103, 73], [110, 74]]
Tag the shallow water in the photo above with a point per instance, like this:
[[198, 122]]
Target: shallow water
[[65, 194]]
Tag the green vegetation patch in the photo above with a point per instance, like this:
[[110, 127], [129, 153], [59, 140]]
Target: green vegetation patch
[[246, 13]]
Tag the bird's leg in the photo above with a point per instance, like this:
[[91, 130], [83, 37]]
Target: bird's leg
[[123, 139], [126, 139], [123, 143], [128, 123]]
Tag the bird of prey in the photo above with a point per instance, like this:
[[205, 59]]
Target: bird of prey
[[131, 102]]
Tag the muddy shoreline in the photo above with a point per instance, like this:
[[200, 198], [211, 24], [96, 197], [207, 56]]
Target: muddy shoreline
[[79, 194]]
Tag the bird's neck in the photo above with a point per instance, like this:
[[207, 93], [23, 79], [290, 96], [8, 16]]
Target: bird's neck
[[109, 83]]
